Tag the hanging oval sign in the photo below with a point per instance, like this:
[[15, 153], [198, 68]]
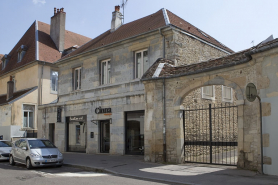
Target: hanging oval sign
[[251, 92]]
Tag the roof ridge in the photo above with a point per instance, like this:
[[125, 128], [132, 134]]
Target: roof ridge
[[67, 30], [166, 18], [37, 53], [208, 38]]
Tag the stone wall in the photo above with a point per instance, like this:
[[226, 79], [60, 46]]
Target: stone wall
[[187, 50], [261, 71]]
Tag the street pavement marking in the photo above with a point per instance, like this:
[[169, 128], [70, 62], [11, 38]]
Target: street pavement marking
[[80, 174], [63, 174], [181, 170]]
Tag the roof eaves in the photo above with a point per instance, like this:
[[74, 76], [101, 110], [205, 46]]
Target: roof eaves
[[28, 92], [19, 67], [70, 57]]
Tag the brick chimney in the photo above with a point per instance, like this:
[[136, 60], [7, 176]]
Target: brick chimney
[[10, 88], [58, 27], [116, 19]]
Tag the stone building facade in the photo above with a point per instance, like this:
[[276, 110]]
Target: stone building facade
[[101, 96], [256, 65]]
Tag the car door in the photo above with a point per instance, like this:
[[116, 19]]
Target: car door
[[16, 150], [21, 152]]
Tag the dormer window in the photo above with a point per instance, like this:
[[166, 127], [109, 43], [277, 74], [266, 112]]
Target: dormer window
[[21, 52], [5, 61]]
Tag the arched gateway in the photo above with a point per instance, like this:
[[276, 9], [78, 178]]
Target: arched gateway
[[166, 89]]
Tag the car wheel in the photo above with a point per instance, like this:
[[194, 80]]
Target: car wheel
[[11, 161], [29, 164]]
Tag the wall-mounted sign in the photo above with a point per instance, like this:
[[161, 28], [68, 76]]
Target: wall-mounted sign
[[251, 92], [100, 110], [78, 118], [59, 114]]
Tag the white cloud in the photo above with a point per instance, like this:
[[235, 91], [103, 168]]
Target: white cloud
[[42, 2]]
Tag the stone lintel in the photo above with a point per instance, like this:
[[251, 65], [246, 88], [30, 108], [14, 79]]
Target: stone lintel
[[239, 102], [177, 108]]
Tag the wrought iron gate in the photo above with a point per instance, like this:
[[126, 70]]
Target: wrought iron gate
[[210, 134]]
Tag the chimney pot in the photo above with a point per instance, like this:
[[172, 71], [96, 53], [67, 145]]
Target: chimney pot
[[117, 8], [57, 29], [10, 88], [55, 11], [116, 19]]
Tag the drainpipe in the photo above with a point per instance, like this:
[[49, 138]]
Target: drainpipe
[[164, 106], [41, 84], [44, 122], [261, 125]]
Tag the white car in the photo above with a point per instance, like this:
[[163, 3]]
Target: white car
[[5, 149]]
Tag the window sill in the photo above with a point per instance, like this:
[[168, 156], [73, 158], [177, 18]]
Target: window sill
[[53, 92], [208, 98], [227, 101]]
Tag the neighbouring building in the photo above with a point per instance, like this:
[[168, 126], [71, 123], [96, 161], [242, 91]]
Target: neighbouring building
[[29, 78], [102, 102]]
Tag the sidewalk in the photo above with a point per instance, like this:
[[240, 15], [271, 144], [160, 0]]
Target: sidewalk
[[134, 166]]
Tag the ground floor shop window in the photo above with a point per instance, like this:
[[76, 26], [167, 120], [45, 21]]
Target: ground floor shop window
[[135, 133], [28, 116], [76, 137]]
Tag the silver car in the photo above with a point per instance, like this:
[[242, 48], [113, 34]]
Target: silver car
[[5, 149], [35, 153]]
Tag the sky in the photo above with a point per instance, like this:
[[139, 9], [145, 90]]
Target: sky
[[235, 23]]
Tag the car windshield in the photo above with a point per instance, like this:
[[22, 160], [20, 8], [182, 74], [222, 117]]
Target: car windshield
[[5, 144], [40, 144]]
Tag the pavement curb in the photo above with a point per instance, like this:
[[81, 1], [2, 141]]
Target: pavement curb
[[103, 170]]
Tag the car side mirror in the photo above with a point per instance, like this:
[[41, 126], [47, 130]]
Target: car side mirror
[[24, 148]]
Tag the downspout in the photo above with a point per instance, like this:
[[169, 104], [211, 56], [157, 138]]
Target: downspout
[[41, 84], [164, 106], [44, 122], [11, 120], [261, 128]]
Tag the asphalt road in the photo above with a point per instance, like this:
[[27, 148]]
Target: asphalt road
[[19, 175]]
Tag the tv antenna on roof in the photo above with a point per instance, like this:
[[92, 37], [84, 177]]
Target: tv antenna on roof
[[124, 2]]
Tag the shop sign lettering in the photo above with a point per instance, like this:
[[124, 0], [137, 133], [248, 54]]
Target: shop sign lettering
[[77, 118], [100, 110]]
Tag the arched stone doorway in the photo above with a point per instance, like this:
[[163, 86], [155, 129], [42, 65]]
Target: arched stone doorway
[[211, 132], [210, 125]]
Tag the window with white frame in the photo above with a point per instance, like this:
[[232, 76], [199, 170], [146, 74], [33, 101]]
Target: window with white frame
[[77, 78], [20, 55], [141, 57], [28, 116], [54, 81], [4, 63], [105, 71], [21, 52], [208, 92], [227, 94]]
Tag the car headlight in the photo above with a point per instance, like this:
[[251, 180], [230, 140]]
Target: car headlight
[[60, 154], [34, 155]]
